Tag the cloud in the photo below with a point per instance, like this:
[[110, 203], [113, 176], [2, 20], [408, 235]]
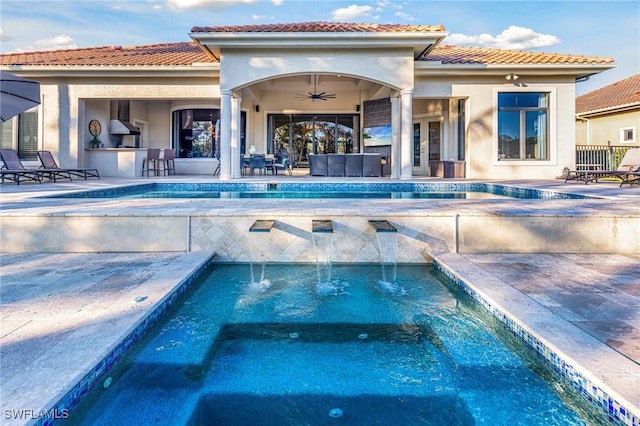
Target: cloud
[[350, 12], [194, 4], [277, 2], [405, 16], [514, 37], [5, 37], [58, 42]]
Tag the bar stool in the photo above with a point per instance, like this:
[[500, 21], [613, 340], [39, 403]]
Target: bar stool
[[168, 162], [151, 162]]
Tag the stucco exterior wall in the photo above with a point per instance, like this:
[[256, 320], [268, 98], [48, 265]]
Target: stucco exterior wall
[[66, 108], [392, 67], [602, 129], [482, 137]]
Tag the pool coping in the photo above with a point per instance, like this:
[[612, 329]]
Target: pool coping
[[574, 360]]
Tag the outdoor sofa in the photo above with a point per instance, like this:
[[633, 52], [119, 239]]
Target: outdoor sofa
[[346, 165]]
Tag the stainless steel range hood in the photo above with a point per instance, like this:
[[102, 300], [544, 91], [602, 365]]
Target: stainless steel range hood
[[120, 124], [119, 127]]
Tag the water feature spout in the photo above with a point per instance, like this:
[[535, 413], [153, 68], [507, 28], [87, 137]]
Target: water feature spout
[[386, 234], [321, 230], [262, 226], [382, 226], [321, 226], [258, 246]]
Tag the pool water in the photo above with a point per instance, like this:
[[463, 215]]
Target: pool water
[[306, 190], [314, 194], [293, 350]]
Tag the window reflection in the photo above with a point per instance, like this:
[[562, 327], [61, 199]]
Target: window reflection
[[523, 129]]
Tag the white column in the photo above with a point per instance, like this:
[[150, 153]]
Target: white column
[[225, 134], [236, 102], [406, 132], [395, 137]]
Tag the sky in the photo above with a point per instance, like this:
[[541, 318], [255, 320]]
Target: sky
[[592, 28]]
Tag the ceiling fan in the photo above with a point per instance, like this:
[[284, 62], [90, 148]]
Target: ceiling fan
[[315, 96]]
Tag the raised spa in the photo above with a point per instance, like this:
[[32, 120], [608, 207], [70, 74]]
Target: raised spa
[[290, 348]]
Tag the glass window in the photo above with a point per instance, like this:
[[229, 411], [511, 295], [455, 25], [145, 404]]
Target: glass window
[[416, 145], [21, 134], [434, 141], [628, 135], [461, 129], [523, 126], [196, 132], [298, 135]]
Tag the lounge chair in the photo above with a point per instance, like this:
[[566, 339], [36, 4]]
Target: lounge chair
[[18, 176], [629, 165], [14, 170], [631, 178], [49, 163]]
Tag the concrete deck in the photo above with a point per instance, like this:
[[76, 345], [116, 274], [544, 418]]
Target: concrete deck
[[61, 313]]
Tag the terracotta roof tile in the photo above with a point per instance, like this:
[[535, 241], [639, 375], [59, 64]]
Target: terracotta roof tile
[[185, 53], [623, 92], [319, 27], [477, 55]]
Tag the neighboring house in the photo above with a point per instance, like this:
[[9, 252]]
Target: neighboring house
[[610, 115], [301, 88]]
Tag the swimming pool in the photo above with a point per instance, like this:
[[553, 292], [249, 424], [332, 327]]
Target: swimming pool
[[291, 349], [390, 190]]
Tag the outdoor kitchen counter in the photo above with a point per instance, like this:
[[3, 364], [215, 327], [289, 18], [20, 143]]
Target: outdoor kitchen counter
[[120, 162]]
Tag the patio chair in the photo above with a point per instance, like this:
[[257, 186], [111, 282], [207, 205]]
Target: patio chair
[[628, 166], [258, 161], [151, 163], [48, 162], [282, 164], [318, 164], [14, 170]]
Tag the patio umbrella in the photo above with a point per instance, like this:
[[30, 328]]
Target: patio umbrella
[[17, 95]]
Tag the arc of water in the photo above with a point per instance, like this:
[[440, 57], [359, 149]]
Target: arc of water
[[322, 231], [257, 246], [387, 236]]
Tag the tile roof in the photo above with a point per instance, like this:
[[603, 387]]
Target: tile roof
[[477, 55], [167, 54], [187, 53], [620, 93], [319, 27]]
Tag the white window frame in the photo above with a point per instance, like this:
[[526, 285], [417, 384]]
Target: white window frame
[[633, 134], [553, 126]]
